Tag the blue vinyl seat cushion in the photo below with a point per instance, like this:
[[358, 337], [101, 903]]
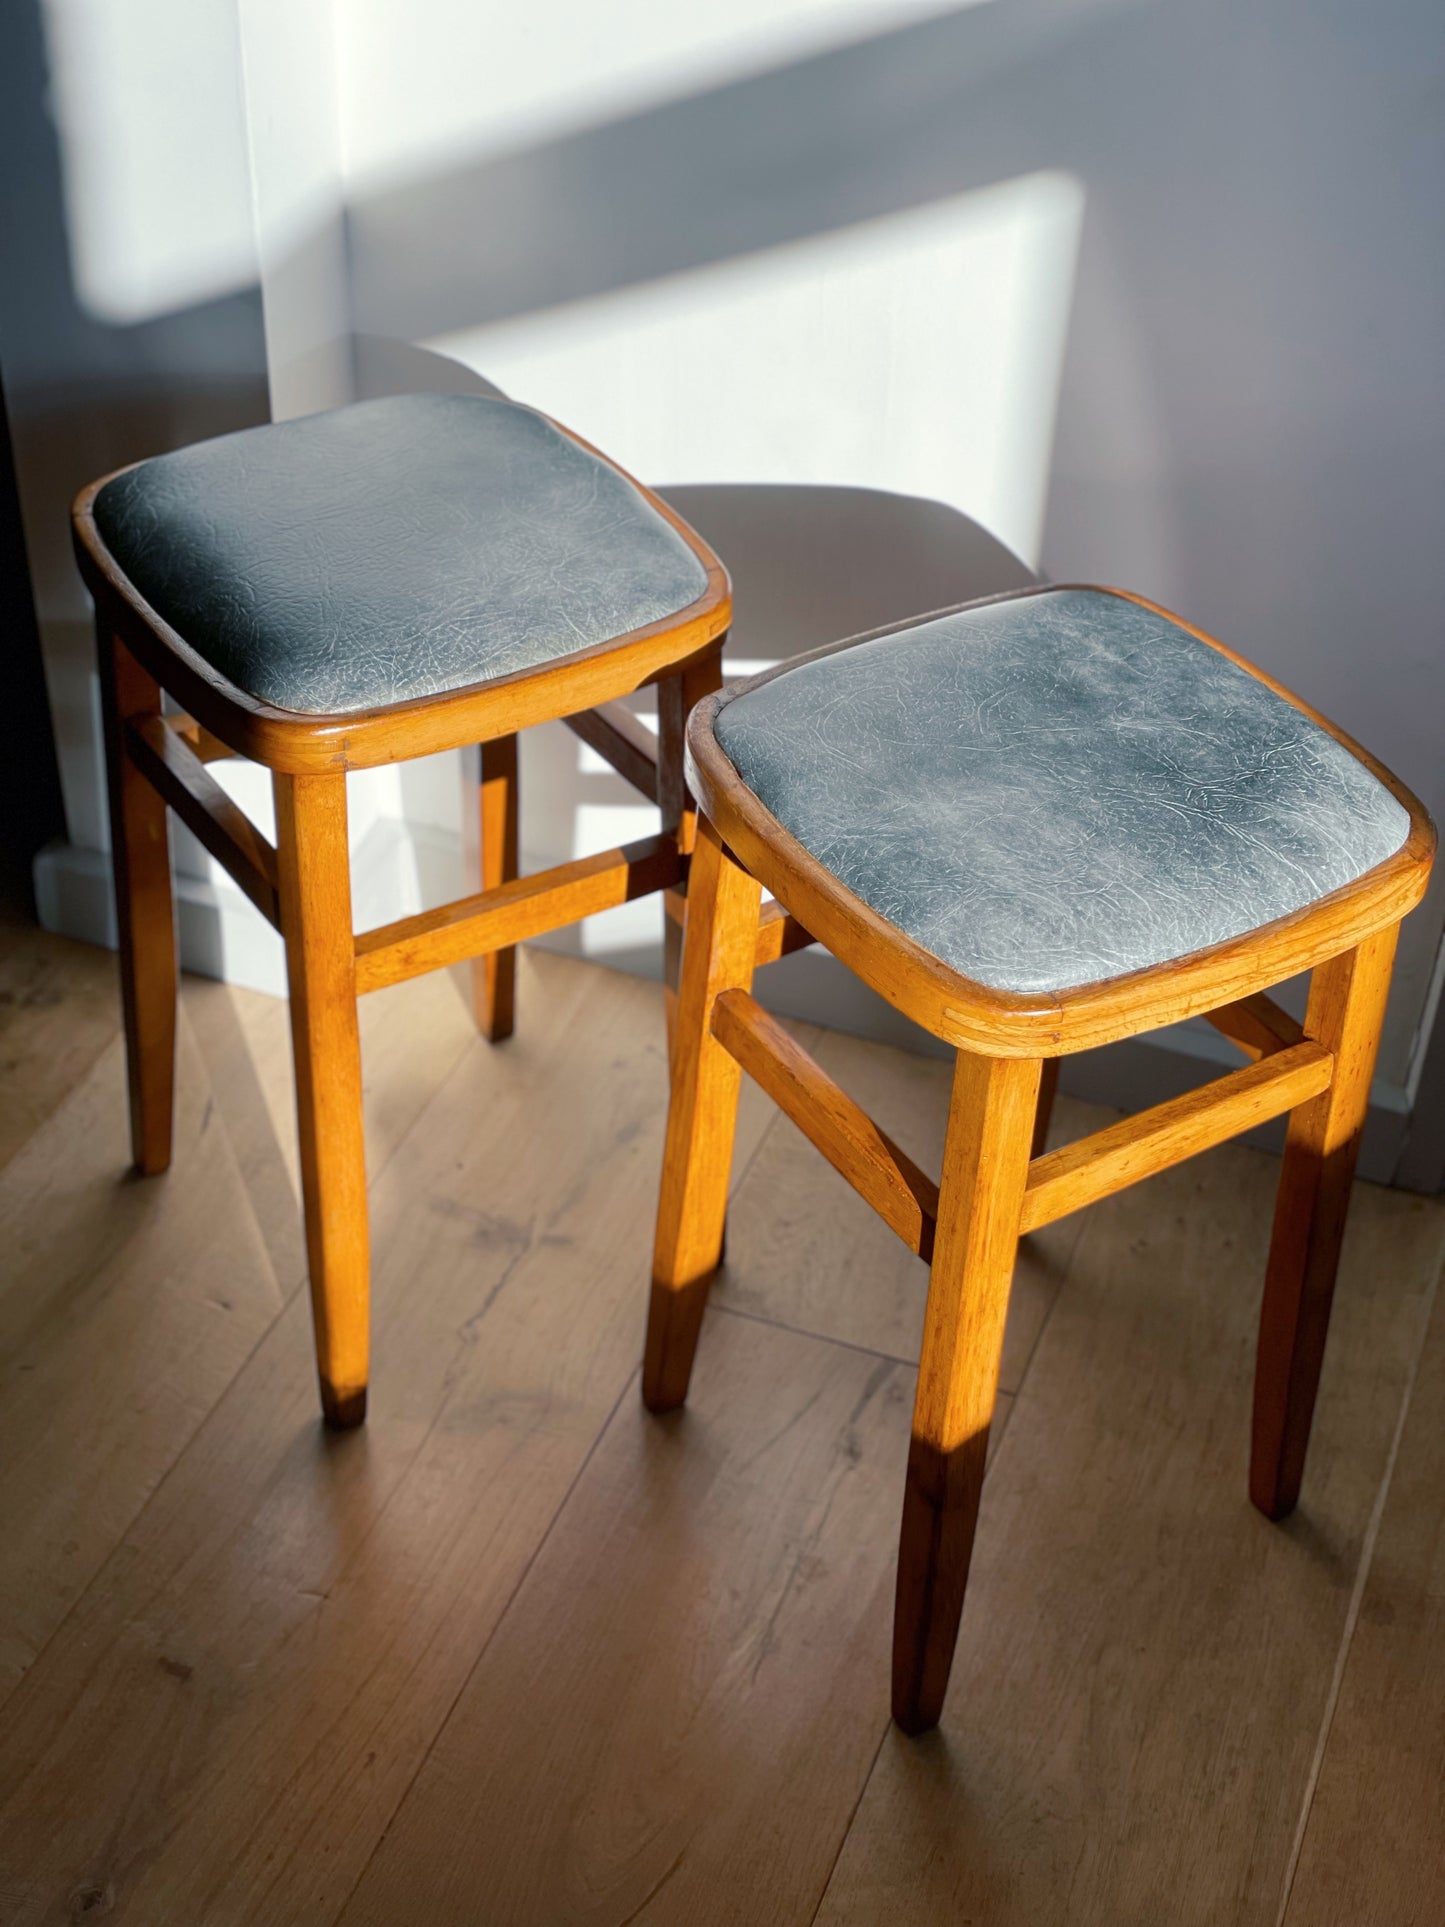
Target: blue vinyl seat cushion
[[394, 549], [1058, 788]]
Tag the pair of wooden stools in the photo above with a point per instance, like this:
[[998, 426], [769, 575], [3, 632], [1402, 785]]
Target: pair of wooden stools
[[1034, 825]]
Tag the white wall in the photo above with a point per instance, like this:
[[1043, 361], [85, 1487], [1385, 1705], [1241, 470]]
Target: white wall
[[1152, 287], [1212, 224]]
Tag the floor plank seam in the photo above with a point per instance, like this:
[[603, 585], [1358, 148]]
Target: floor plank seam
[[1352, 1612], [288, 1294], [739, 1178], [629, 1385], [823, 1338], [863, 1786]]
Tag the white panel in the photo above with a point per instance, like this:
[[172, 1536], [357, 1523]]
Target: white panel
[[919, 353]]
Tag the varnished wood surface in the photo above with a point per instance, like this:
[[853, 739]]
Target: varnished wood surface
[[1345, 1014], [980, 1197], [877, 1168], [169, 764], [314, 866], [512, 912], [1096, 1166], [623, 740], [722, 925], [144, 905], [517, 1653], [497, 805]]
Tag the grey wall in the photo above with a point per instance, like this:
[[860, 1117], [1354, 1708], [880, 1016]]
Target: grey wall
[[1252, 422], [87, 395]]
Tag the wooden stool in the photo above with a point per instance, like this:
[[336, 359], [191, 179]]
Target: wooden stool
[[357, 588], [1034, 825]]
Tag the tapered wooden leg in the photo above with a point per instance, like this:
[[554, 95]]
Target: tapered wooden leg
[[494, 976], [1346, 1012], [145, 913], [675, 699], [1043, 1115], [316, 923], [985, 1167], [722, 929]]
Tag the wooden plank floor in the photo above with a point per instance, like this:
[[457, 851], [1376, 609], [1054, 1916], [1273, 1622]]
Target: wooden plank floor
[[518, 1653]]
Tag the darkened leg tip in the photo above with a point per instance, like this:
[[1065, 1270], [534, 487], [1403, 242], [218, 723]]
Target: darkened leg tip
[[661, 1399], [345, 1411], [1272, 1495], [913, 1720]]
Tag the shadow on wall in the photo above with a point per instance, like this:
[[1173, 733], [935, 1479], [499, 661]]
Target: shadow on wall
[[87, 396], [809, 565], [1250, 424]]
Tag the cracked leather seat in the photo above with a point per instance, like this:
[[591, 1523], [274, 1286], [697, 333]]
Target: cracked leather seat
[[1057, 788], [395, 549]]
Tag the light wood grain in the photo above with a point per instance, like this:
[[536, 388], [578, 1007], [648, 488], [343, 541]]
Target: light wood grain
[[1044, 1111], [126, 1308], [1256, 1025], [413, 1038], [1345, 1015], [623, 740], [494, 973], [1374, 1847], [1144, 1663], [1137, 1147], [514, 911], [176, 773], [315, 879], [882, 1174], [676, 698], [225, 1723], [125, 1312], [59, 1009], [985, 1167], [806, 1252], [209, 748], [144, 906], [223, 1727], [694, 1644], [779, 935], [722, 917]]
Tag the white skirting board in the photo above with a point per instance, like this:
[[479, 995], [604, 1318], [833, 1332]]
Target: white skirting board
[[406, 866]]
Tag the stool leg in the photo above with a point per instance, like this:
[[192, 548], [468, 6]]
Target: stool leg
[[675, 699], [1346, 1012], [722, 927], [985, 1167], [145, 914], [316, 923], [1043, 1116], [494, 976]]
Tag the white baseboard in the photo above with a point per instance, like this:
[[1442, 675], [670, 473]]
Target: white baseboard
[[398, 868], [220, 933]]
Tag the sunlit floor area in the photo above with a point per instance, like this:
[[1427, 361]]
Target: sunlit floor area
[[518, 1653]]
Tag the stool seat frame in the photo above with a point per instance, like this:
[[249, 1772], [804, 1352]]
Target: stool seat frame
[[301, 884], [998, 1183]]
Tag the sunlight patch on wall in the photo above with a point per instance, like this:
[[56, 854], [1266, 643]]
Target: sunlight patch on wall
[[920, 352]]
